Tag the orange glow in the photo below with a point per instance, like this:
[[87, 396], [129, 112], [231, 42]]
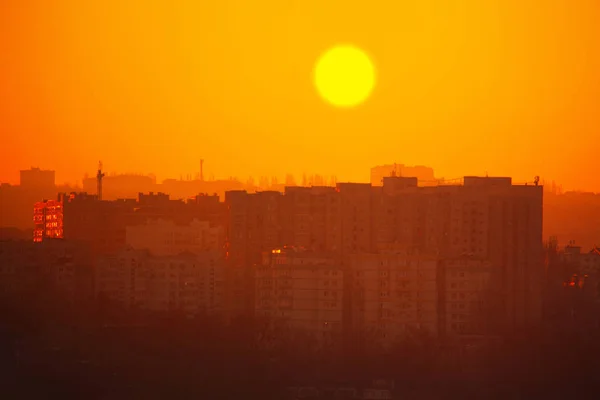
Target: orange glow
[[502, 86]]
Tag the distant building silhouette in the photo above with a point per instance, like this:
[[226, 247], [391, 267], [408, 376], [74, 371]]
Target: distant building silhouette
[[39, 179], [17, 201], [422, 173], [119, 186]]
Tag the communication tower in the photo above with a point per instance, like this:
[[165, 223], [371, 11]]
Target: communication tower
[[99, 177]]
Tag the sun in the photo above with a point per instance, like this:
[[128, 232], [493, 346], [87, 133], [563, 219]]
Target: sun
[[344, 76]]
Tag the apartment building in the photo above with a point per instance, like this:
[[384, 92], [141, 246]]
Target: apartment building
[[484, 217], [470, 293], [48, 220], [487, 218], [166, 237], [305, 289], [189, 283], [392, 294], [62, 267]]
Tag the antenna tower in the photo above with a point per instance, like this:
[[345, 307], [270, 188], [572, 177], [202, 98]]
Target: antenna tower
[[99, 177]]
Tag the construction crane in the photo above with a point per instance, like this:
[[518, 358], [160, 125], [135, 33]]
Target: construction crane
[[99, 177]]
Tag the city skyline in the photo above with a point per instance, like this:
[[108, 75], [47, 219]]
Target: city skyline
[[286, 179], [466, 88], [288, 200]]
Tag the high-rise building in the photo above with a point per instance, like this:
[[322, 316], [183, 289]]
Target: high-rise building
[[165, 237], [253, 226], [470, 292], [99, 223], [48, 220], [391, 294], [486, 218], [489, 219], [304, 289], [189, 283], [309, 217]]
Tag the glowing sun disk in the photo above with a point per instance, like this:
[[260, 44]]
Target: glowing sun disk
[[344, 76]]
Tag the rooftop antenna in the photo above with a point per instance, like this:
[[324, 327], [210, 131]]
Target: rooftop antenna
[[99, 177], [394, 171]]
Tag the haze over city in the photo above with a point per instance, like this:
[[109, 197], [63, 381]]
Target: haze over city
[[299, 200], [500, 87]]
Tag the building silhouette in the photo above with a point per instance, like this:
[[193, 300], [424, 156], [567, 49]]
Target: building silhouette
[[478, 242], [423, 174], [487, 219]]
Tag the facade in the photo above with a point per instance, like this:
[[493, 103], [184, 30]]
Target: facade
[[54, 265], [99, 223], [188, 283], [392, 294], [254, 225], [309, 217], [48, 220], [165, 237], [470, 301], [303, 289]]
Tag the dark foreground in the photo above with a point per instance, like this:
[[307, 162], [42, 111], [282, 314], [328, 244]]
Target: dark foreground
[[50, 349]]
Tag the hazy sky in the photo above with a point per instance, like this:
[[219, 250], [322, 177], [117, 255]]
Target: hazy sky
[[507, 87]]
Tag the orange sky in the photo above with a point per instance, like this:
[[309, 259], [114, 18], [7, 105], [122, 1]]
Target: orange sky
[[508, 87]]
